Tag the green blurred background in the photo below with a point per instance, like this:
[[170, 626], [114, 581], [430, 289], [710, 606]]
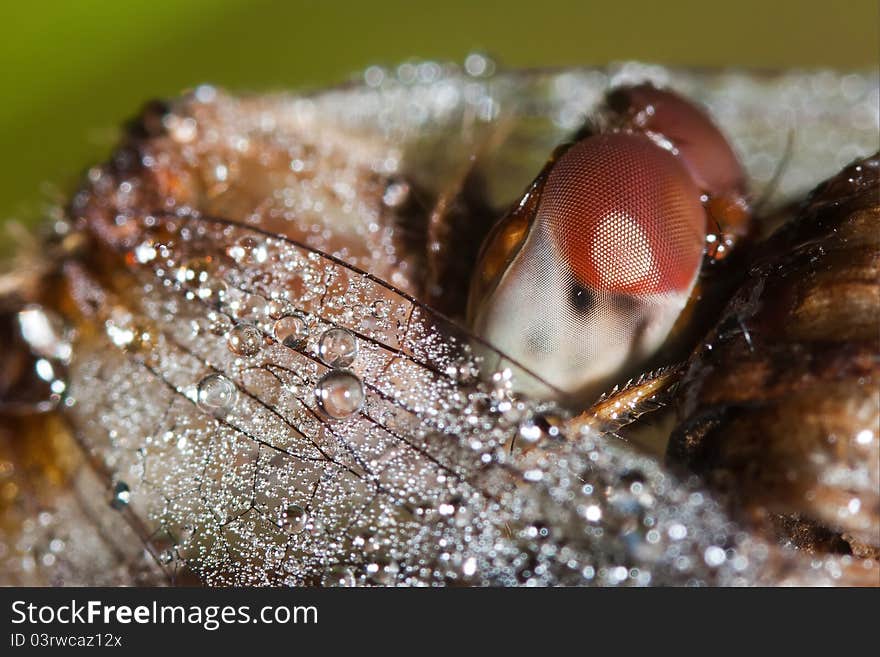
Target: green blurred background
[[72, 70]]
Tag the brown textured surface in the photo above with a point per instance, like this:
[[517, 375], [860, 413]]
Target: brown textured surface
[[782, 401], [178, 158]]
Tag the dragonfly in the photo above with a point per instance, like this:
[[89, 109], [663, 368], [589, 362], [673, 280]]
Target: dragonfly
[[252, 366]]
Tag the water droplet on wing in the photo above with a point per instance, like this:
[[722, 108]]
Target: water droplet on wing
[[541, 427], [294, 519], [340, 394], [219, 324], [216, 394], [339, 576], [249, 250], [338, 347], [245, 340], [291, 331], [45, 333]]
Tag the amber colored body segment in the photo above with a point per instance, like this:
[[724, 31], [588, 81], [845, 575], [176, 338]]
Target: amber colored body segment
[[781, 405]]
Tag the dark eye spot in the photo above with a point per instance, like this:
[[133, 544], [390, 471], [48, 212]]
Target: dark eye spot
[[580, 298]]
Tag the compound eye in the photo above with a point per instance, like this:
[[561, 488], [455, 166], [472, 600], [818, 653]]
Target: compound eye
[[704, 150], [625, 216]]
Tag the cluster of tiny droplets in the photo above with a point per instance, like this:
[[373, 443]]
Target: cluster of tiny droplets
[[271, 416], [349, 455]]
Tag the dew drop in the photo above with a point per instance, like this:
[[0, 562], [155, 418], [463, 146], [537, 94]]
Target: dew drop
[[864, 437], [145, 252], [249, 250], [166, 556], [121, 496], [181, 129], [379, 309], [478, 65], [374, 76], [44, 370], [395, 194], [251, 306], [338, 347], [213, 290], [245, 340], [221, 173], [219, 324], [291, 331], [276, 308], [195, 272], [383, 574], [216, 394], [294, 519], [340, 394], [714, 556], [542, 426], [45, 333], [677, 531], [339, 576]]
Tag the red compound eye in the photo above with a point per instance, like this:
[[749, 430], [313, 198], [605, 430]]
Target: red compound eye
[[705, 151], [625, 215]]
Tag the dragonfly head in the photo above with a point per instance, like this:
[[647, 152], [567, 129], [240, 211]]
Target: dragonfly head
[[588, 274], [682, 127]]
